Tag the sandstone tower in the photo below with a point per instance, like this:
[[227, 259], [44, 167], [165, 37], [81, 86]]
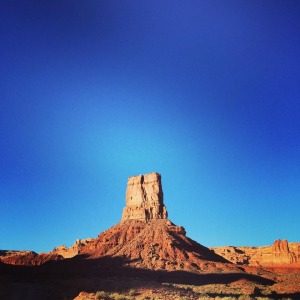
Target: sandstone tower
[[144, 198]]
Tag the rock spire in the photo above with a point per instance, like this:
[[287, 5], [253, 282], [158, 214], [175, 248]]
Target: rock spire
[[144, 198]]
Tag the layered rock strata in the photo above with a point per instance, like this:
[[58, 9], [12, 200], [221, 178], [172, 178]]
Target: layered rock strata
[[280, 254], [144, 198]]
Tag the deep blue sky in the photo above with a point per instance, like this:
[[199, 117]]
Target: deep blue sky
[[207, 93]]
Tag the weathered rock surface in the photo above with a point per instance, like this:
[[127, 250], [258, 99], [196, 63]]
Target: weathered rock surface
[[280, 254], [73, 250], [27, 258], [144, 198]]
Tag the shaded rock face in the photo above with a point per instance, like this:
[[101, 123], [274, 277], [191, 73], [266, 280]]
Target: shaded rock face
[[144, 198]]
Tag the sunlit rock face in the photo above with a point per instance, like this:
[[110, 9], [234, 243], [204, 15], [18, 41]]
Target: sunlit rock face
[[285, 253], [280, 254], [144, 198]]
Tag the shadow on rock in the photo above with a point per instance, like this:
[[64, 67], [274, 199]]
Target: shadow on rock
[[66, 278]]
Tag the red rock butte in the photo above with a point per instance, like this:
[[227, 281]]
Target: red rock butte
[[146, 238], [146, 250], [144, 198]]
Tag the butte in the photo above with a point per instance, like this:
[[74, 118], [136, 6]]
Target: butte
[[146, 238]]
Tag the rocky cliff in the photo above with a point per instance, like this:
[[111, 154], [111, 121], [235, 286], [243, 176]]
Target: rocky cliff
[[280, 254], [73, 250], [144, 198]]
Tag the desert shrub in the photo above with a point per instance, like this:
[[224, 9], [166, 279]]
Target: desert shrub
[[100, 295], [131, 292], [117, 296]]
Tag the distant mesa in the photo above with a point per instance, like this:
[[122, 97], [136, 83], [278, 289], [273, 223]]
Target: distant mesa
[[280, 254], [144, 198]]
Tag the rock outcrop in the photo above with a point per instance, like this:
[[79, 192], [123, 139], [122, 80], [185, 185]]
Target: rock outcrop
[[280, 254], [73, 250], [285, 253], [144, 198], [27, 258]]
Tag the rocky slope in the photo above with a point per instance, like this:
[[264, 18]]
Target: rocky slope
[[27, 258], [156, 245]]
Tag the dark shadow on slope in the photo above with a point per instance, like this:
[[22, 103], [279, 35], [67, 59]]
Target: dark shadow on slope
[[195, 247], [57, 279]]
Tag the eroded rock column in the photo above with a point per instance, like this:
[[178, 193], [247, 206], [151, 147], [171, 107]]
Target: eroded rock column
[[144, 198]]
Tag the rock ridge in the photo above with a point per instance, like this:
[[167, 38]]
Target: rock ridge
[[280, 254]]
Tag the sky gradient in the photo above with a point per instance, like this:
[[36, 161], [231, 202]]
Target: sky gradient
[[206, 93]]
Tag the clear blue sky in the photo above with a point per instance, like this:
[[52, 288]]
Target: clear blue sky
[[207, 93]]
